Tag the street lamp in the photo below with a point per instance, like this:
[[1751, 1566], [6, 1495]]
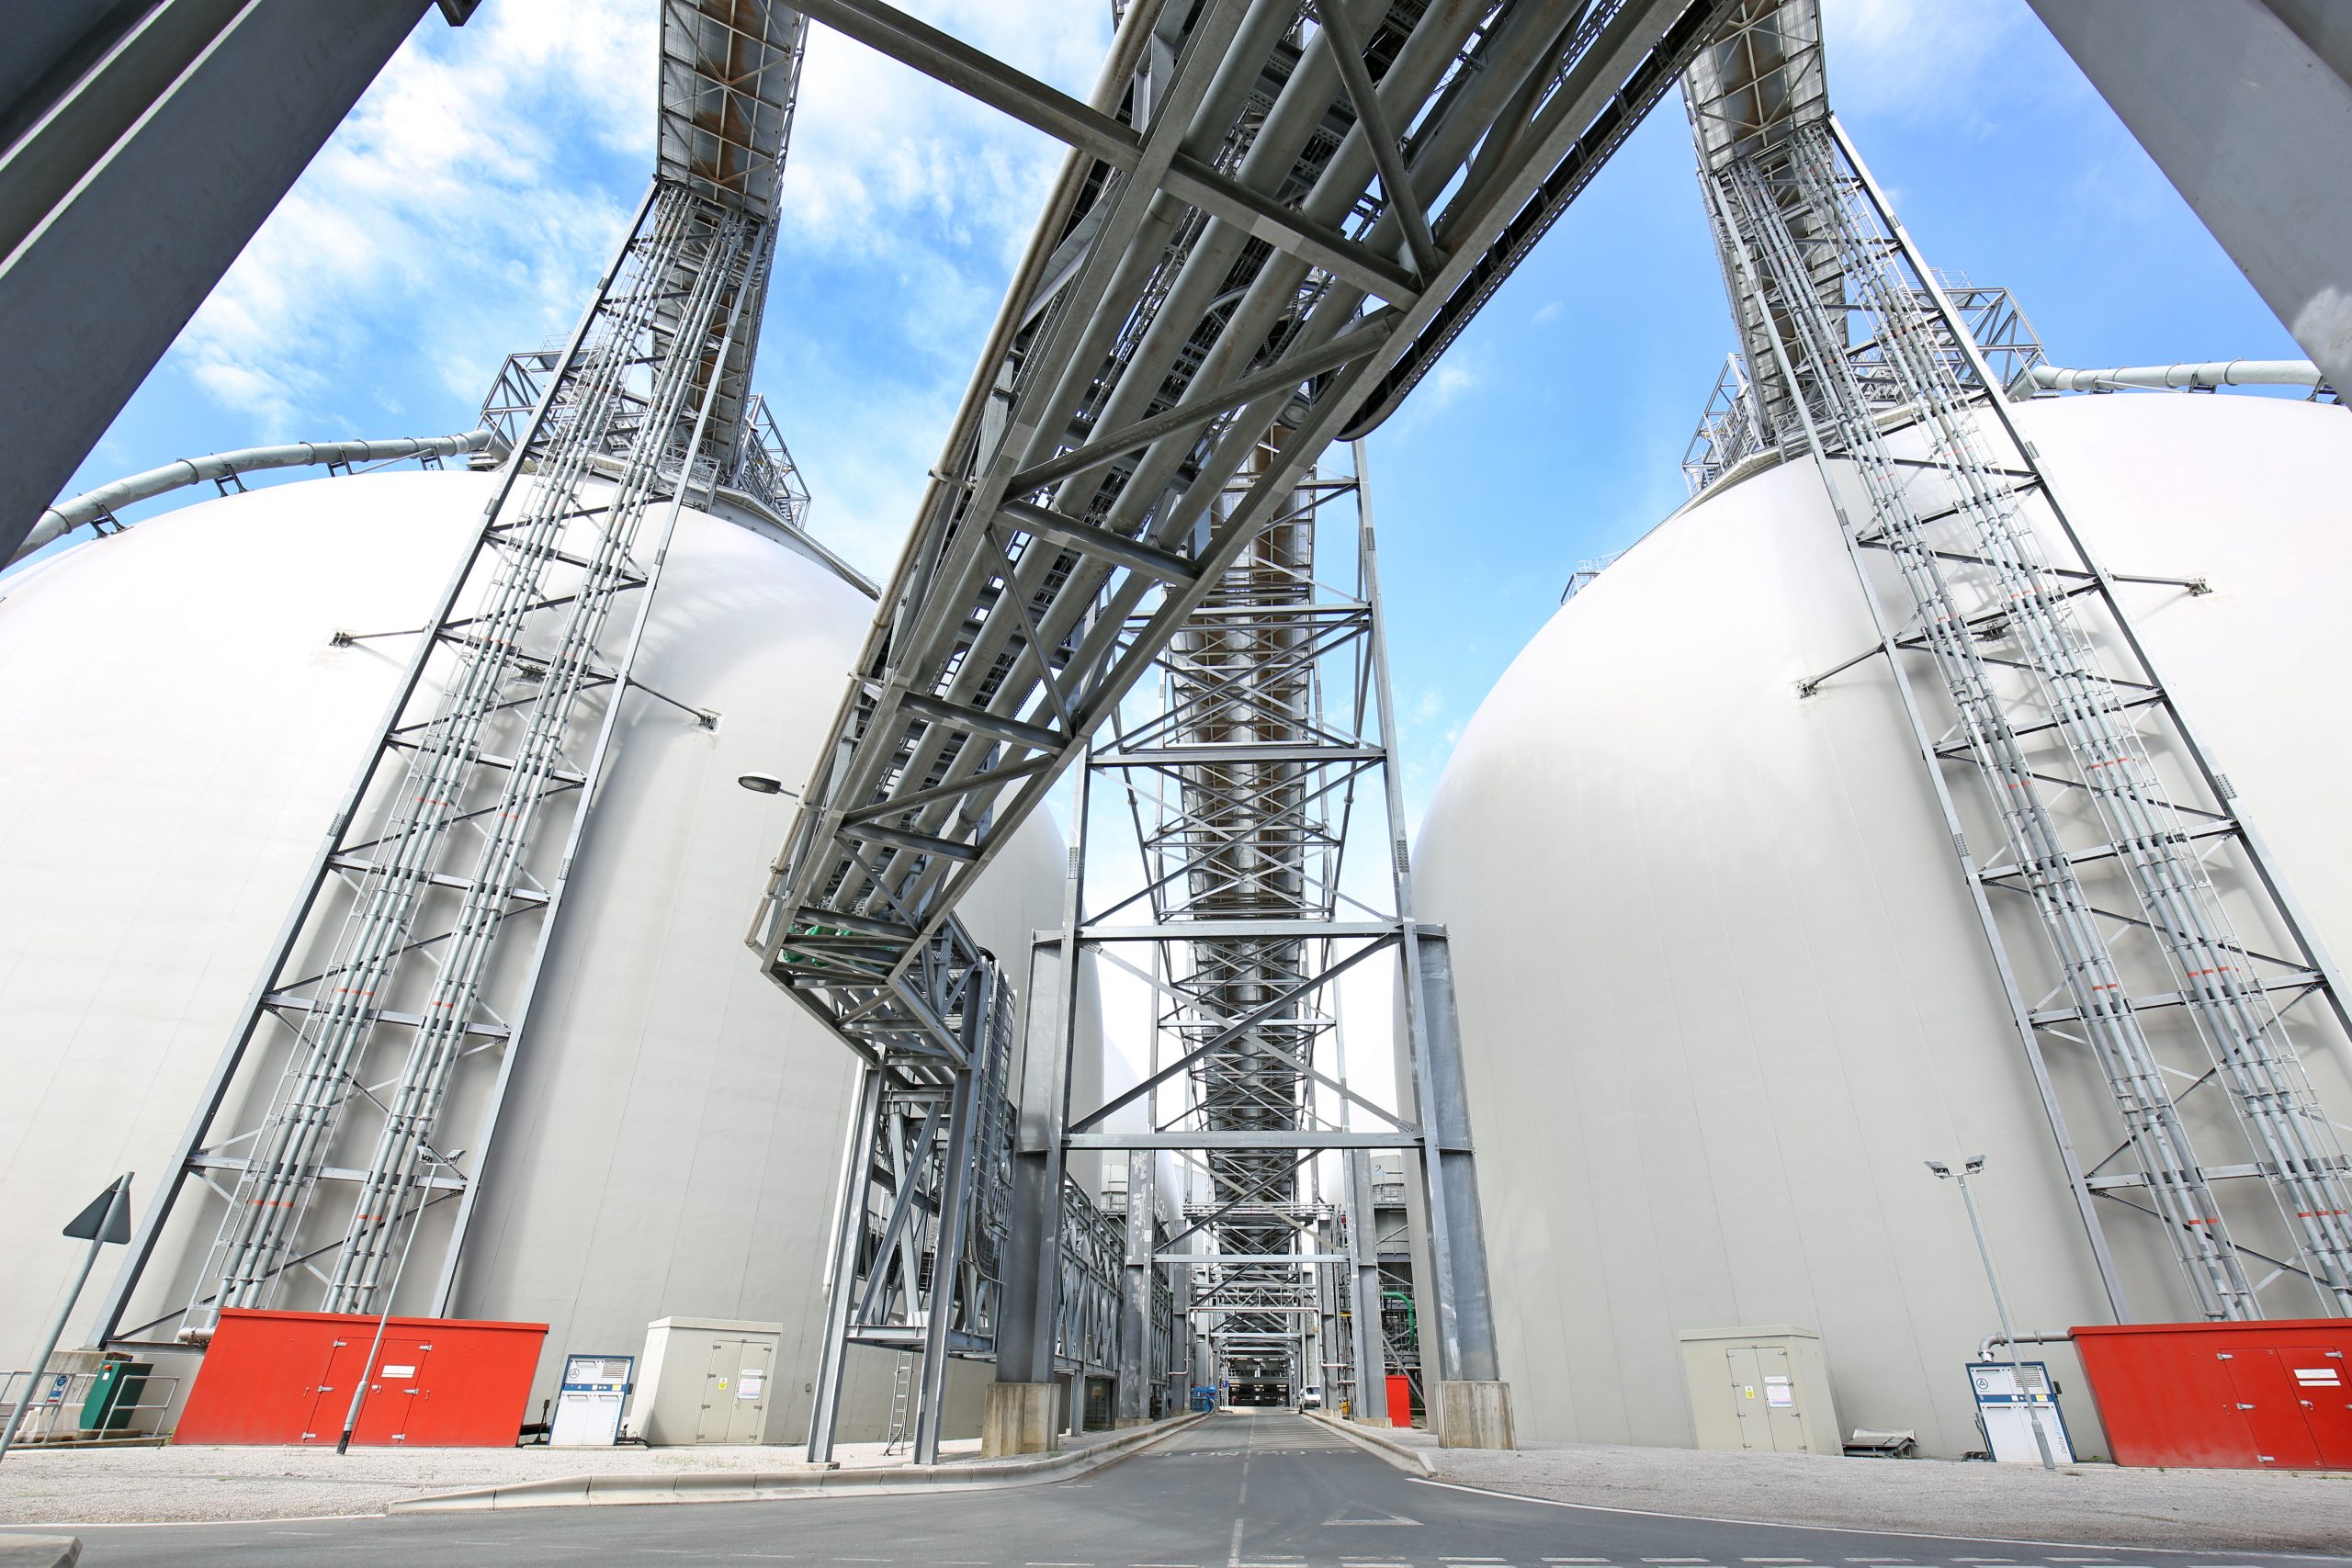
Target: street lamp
[[1975, 1165], [766, 784]]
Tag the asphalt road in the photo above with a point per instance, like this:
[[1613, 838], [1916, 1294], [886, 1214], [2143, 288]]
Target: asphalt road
[[1269, 1490]]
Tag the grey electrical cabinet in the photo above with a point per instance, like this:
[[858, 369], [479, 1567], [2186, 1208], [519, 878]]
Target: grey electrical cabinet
[[1760, 1388], [705, 1379]]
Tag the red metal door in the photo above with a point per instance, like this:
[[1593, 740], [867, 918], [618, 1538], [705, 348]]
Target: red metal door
[[330, 1394], [383, 1416], [393, 1389], [2267, 1402], [2322, 1383]]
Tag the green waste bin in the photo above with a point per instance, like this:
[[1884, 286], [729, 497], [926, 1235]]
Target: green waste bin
[[113, 1394]]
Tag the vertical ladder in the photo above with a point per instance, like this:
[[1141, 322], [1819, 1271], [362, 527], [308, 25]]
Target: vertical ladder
[[2020, 624], [902, 1378]]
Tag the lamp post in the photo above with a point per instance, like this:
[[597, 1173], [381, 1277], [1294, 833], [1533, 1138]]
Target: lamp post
[[1975, 1165], [384, 1318]]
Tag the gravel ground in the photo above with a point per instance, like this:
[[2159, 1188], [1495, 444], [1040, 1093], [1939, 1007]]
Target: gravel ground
[[2096, 1505], [156, 1485]]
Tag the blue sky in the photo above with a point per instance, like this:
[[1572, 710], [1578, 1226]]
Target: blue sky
[[464, 208]]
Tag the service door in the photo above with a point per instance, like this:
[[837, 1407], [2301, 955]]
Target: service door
[[2271, 1405], [398, 1372], [395, 1385], [1742, 1362], [331, 1392], [747, 1411], [2324, 1386]]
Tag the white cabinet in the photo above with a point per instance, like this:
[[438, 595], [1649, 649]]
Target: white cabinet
[[1764, 1388]]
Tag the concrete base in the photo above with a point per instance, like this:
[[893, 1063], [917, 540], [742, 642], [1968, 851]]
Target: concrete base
[[1474, 1415], [39, 1551], [1020, 1419]]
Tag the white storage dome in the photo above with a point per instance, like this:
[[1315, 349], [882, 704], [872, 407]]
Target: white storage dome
[[178, 730], [1722, 990]]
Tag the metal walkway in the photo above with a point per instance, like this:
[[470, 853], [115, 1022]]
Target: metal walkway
[[1274, 219], [1245, 769]]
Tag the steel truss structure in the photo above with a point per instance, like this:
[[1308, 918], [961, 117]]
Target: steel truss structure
[[1275, 216], [2142, 931], [920, 1232], [385, 1025], [1244, 770]]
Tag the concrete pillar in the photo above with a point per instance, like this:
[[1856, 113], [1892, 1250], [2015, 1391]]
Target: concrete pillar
[[1020, 1419], [145, 146], [1474, 1415], [2244, 105]]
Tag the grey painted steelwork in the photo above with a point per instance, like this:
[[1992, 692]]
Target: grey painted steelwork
[[914, 1267], [185, 117], [460, 828], [95, 508], [2246, 107], [1217, 272], [2117, 824], [1213, 289], [1244, 771], [1733, 436]]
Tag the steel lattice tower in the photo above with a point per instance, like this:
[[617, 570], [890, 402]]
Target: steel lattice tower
[[2123, 876], [405, 974]]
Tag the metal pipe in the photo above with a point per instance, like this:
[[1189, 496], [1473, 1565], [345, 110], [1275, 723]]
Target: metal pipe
[[1984, 1346], [2208, 374], [99, 505]]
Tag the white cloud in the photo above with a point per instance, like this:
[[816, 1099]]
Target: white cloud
[[1917, 60], [450, 218], [464, 208]]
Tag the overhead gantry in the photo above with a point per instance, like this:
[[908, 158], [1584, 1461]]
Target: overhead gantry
[[1274, 218]]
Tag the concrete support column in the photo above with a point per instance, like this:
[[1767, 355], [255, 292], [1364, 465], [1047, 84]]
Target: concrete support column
[[1474, 1414], [1471, 1405], [144, 145], [1020, 1419], [2244, 105]]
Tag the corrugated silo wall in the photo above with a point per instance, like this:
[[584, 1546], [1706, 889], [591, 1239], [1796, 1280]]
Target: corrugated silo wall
[[1722, 990]]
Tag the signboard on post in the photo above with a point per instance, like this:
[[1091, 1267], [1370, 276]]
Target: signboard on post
[[2011, 1397]]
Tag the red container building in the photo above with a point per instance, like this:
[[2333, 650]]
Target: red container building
[[2267, 1395], [286, 1377]]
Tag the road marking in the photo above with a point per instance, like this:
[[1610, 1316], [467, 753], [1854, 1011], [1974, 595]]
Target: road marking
[[1797, 1560], [1415, 1523], [1233, 1552]]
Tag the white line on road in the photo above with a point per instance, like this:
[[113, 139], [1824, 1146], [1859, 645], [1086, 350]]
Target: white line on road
[[1233, 1552]]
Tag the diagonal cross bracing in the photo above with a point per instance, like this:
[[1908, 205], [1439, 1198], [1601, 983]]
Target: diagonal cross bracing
[[2091, 772], [403, 981], [1217, 284]]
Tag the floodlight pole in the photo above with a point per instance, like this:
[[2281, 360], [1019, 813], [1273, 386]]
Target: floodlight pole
[[1976, 1163]]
